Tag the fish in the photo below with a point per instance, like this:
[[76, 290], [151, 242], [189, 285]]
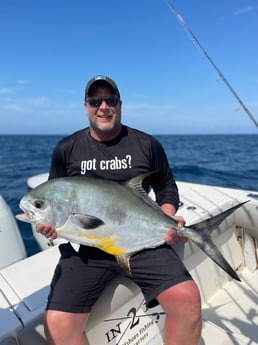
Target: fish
[[117, 217]]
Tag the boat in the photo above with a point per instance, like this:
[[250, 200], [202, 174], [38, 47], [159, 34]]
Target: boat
[[9, 237], [120, 317]]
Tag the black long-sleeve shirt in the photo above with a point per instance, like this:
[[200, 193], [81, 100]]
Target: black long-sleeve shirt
[[130, 154]]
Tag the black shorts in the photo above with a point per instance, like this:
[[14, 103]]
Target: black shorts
[[80, 277]]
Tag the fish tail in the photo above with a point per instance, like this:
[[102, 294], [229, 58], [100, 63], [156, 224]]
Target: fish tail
[[205, 243], [210, 224], [200, 234]]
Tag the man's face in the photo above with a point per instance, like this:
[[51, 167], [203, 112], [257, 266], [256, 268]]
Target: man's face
[[104, 116]]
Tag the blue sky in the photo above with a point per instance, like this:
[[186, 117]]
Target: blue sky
[[50, 48]]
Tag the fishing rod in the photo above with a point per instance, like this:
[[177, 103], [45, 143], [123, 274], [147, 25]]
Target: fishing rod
[[197, 43]]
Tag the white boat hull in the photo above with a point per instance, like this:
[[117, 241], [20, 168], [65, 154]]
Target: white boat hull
[[11, 244]]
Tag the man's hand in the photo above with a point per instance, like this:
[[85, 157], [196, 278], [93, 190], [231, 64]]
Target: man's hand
[[47, 230], [172, 236]]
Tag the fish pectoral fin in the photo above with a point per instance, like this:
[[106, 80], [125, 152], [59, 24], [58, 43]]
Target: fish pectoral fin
[[85, 221], [124, 262]]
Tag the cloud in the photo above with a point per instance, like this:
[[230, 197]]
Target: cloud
[[244, 10], [9, 90], [147, 106], [5, 91], [65, 90], [22, 82], [26, 104]]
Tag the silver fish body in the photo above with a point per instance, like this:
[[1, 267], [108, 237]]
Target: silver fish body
[[118, 218]]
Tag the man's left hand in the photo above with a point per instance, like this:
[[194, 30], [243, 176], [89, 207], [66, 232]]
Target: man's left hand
[[172, 236]]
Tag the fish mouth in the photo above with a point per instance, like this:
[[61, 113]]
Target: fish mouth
[[27, 216], [24, 217]]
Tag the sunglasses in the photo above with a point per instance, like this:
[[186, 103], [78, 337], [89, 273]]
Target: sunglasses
[[96, 101]]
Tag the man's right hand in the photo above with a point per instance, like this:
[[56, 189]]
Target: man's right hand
[[47, 230]]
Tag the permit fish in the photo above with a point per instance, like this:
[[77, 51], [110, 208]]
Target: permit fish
[[118, 218]]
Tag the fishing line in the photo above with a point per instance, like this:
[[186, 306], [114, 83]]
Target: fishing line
[[199, 46]]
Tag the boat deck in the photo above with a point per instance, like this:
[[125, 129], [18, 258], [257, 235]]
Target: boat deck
[[233, 313]]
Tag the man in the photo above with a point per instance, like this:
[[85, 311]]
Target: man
[[107, 149]]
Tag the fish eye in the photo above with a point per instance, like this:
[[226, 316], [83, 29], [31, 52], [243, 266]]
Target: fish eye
[[38, 203]]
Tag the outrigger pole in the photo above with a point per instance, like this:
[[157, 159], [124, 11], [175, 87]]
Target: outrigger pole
[[183, 23]]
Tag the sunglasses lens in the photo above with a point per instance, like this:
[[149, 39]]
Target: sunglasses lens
[[111, 101], [96, 101]]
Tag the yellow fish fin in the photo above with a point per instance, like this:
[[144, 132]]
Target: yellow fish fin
[[124, 262]]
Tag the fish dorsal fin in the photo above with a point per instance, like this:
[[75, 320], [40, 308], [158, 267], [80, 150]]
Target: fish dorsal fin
[[135, 184], [86, 221]]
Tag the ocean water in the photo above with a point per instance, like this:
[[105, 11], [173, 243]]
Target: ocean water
[[221, 160]]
